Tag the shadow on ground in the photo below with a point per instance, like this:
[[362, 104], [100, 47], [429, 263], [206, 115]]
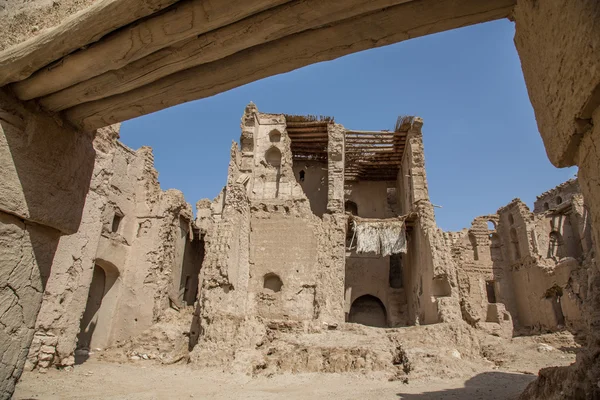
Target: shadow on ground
[[494, 385]]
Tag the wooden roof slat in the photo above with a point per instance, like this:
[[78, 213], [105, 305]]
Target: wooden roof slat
[[307, 135], [307, 140], [353, 132], [310, 129]]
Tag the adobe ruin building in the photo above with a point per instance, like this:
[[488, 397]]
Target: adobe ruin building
[[318, 226], [69, 68]]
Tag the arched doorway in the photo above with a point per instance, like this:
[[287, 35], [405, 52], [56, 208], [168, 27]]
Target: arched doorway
[[368, 310], [96, 322]]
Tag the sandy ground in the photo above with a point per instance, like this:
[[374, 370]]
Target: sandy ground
[[102, 380], [503, 372]]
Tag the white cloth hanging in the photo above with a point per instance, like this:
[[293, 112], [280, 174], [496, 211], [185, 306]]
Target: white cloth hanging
[[380, 237]]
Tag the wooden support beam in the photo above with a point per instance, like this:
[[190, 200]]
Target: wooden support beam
[[309, 140], [312, 133], [376, 163], [80, 29], [296, 124], [272, 24], [369, 133], [182, 21], [409, 20], [388, 142], [314, 129]]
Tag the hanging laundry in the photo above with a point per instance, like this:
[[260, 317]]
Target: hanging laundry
[[378, 236]]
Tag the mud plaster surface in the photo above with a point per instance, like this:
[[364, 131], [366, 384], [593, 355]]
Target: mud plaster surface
[[98, 380], [508, 368]]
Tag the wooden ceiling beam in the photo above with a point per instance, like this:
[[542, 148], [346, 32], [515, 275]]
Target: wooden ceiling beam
[[80, 29], [375, 29], [184, 20], [195, 40]]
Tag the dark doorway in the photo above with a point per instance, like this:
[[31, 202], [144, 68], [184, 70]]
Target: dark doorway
[[190, 271], [94, 301], [96, 322], [368, 310], [396, 271], [491, 291]]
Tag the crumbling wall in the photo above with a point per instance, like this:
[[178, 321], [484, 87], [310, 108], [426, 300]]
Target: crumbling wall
[[282, 247], [220, 324], [432, 291], [268, 256], [563, 81], [314, 183], [483, 283], [58, 321], [26, 252], [543, 254], [554, 197], [535, 262], [46, 170], [127, 226]]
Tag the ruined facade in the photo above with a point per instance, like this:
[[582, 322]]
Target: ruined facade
[[47, 164], [528, 269], [136, 254], [317, 226]]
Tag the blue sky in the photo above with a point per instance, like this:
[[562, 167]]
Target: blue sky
[[482, 146]]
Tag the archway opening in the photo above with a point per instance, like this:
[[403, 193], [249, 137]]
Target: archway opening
[[96, 322], [555, 246], [275, 136], [273, 157], [351, 207], [368, 310]]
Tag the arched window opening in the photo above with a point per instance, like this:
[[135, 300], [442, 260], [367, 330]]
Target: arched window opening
[[273, 157], [511, 219], [473, 241], [546, 206], [302, 174], [395, 276], [272, 282], [555, 246], [495, 247], [491, 225], [351, 207], [515, 244], [275, 136], [368, 310], [559, 200]]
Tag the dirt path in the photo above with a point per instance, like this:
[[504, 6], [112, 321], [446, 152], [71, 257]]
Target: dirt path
[[102, 380], [507, 369]]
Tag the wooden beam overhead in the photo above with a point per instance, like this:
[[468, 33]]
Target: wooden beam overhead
[[196, 42], [80, 29], [394, 24], [184, 20]]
